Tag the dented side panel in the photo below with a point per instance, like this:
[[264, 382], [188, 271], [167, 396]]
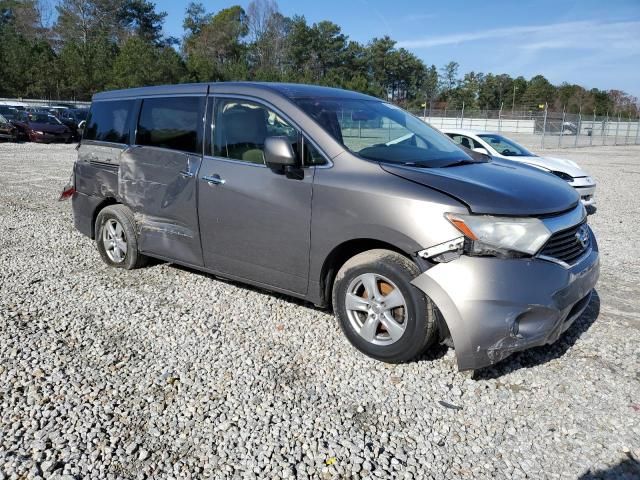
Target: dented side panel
[[159, 185], [494, 307]]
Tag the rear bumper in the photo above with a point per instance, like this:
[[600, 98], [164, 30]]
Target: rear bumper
[[49, 137], [494, 307], [84, 206]]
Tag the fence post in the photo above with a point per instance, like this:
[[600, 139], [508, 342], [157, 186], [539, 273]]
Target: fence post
[[561, 128], [500, 117], [575, 143], [544, 122], [637, 129], [605, 129], [626, 137], [615, 141], [486, 119]]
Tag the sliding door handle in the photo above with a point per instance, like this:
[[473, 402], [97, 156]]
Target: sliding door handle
[[214, 179]]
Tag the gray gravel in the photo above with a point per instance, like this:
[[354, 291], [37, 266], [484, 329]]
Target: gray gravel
[[165, 372]]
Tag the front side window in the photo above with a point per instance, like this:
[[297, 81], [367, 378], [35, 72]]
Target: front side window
[[109, 121], [376, 130], [171, 123], [241, 127], [505, 147], [311, 155]]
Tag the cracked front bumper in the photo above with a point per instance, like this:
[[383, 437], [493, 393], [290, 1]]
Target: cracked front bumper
[[494, 307]]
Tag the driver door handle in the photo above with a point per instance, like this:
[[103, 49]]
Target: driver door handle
[[214, 179]]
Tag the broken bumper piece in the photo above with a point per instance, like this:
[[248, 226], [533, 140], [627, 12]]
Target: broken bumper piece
[[494, 307]]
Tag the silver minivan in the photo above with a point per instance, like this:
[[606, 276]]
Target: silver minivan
[[343, 200]]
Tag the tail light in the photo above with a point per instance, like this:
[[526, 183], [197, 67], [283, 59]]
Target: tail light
[[70, 188], [67, 193]]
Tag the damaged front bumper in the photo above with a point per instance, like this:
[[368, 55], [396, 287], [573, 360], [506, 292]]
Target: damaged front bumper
[[494, 307]]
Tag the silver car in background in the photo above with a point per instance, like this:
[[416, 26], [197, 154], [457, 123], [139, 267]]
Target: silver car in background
[[343, 200], [497, 145]]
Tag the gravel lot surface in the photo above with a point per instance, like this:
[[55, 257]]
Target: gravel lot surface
[[164, 372]]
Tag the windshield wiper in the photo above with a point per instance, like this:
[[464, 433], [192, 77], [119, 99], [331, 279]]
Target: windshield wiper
[[459, 163], [417, 164]]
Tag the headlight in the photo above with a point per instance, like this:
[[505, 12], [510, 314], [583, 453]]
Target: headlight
[[564, 176], [500, 236], [38, 132]]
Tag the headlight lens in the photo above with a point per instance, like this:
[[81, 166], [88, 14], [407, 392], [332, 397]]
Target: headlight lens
[[500, 236], [564, 176]]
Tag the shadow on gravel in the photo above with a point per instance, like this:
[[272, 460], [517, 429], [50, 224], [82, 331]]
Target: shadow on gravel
[[541, 355], [246, 286], [627, 469]]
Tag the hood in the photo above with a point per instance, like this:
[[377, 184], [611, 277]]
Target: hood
[[554, 164], [48, 128], [498, 187]]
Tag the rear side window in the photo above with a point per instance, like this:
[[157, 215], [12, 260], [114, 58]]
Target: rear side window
[[109, 121], [172, 123]]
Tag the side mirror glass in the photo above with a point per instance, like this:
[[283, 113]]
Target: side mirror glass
[[278, 153], [481, 150]]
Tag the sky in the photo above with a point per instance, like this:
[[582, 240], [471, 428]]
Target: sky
[[588, 42]]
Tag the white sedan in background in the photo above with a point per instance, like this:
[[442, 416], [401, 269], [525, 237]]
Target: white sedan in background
[[497, 145]]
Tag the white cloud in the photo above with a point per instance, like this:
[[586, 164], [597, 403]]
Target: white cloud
[[595, 53], [582, 34]]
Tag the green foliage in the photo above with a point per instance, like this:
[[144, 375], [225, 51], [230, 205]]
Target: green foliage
[[100, 44], [141, 63]]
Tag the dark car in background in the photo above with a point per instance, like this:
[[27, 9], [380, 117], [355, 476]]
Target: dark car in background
[[42, 127], [7, 130], [74, 118], [8, 112]]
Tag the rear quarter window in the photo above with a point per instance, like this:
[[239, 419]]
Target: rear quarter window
[[109, 121], [172, 123]]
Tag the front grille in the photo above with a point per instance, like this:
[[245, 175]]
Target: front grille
[[566, 245]]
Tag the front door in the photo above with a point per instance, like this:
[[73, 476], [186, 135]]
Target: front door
[[254, 223], [158, 177]]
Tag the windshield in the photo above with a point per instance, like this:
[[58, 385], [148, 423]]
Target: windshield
[[379, 131], [505, 147], [43, 118], [81, 114]]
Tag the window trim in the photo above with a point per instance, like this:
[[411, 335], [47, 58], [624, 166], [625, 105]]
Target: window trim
[[208, 152]]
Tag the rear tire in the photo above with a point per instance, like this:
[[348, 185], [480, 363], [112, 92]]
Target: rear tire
[[399, 322], [116, 238]]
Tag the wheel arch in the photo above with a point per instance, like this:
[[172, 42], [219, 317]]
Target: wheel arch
[[108, 201], [343, 252]]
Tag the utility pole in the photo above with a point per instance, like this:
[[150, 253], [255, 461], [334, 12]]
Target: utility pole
[[513, 102]]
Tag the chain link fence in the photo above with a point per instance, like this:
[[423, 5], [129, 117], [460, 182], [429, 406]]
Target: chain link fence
[[542, 128]]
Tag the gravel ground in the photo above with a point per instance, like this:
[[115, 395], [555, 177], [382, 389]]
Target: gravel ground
[[165, 372]]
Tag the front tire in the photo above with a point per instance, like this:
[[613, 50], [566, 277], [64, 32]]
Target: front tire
[[378, 309], [116, 238]]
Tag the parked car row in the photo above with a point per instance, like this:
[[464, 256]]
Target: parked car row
[[44, 125]]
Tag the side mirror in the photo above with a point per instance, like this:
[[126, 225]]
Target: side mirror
[[481, 150], [278, 153]]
